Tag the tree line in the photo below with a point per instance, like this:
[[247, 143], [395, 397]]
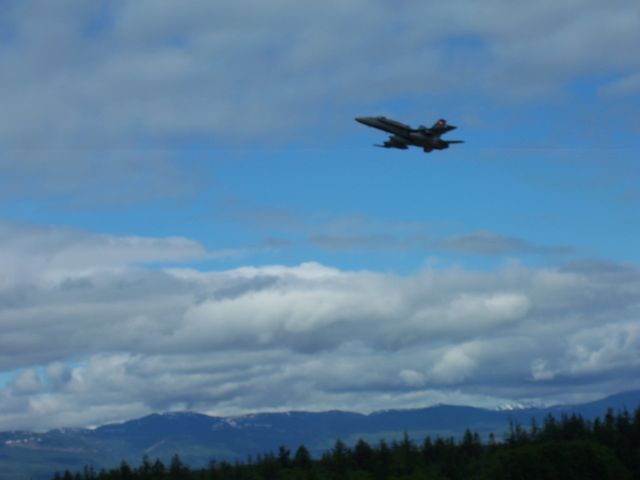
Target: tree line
[[564, 448]]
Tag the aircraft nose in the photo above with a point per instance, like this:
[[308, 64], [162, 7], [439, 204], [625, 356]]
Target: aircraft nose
[[363, 120]]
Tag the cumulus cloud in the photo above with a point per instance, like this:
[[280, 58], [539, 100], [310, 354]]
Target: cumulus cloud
[[27, 382], [454, 367], [64, 253], [93, 344]]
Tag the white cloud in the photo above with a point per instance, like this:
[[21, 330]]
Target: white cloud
[[27, 382], [539, 370], [93, 344], [58, 254], [412, 378], [499, 307], [601, 348], [455, 366]]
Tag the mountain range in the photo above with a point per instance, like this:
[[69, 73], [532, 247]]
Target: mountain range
[[199, 438]]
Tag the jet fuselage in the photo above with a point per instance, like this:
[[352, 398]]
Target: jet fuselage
[[403, 135]]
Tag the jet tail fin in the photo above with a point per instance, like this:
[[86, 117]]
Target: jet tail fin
[[441, 126]]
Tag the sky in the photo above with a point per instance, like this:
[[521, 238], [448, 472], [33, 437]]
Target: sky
[[191, 219]]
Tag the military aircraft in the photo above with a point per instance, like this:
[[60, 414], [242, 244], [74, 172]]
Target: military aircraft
[[403, 135]]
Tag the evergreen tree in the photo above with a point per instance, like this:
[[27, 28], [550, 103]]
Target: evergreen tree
[[405, 456], [158, 469], [269, 467], [283, 457], [339, 459], [145, 469], [382, 465], [126, 473], [302, 458], [426, 452], [470, 445], [177, 469], [363, 456], [88, 473]]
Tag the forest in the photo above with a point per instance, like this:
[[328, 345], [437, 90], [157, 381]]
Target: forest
[[564, 448]]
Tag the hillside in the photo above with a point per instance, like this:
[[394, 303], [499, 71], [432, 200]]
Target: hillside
[[199, 438]]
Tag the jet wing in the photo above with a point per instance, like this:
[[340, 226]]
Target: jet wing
[[395, 142]]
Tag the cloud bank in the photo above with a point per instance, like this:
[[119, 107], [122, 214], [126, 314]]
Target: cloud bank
[[92, 335]]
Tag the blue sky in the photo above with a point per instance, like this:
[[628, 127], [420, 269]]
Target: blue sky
[[185, 185]]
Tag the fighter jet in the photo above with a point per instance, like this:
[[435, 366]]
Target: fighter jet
[[403, 135]]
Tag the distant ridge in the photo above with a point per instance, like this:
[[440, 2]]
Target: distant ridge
[[198, 438]]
